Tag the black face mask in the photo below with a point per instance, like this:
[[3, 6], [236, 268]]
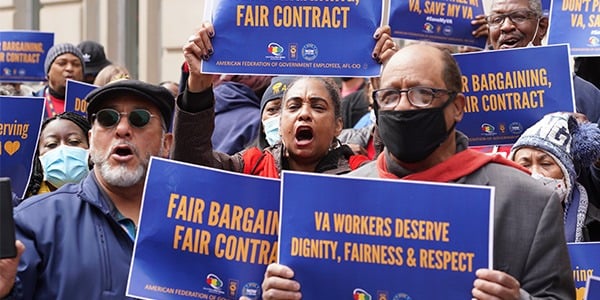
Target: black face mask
[[412, 135]]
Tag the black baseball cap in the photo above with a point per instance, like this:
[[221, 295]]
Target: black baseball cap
[[94, 57], [157, 95]]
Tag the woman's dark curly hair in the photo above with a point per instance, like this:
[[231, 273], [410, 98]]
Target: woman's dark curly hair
[[37, 174]]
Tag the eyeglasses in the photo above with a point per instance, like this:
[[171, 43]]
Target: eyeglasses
[[388, 99], [109, 117], [517, 17]]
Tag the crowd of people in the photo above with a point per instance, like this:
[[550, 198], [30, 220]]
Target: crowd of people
[[76, 225]]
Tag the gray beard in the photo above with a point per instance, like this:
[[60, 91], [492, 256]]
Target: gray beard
[[119, 175]]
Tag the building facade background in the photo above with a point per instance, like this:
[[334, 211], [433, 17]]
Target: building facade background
[[145, 36]]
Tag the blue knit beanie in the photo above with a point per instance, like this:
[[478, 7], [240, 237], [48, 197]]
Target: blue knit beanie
[[573, 145], [60, 49]]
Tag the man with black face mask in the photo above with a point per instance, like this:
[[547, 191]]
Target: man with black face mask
[[418, 105]]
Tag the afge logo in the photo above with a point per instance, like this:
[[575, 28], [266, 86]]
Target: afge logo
[[402, 296], [515, 128], [251, 290], [310, 52]]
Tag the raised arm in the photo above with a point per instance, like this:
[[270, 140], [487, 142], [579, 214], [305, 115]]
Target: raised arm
[[194, 120]]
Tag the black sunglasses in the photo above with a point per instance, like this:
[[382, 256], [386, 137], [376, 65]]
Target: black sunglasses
[[109, 117]]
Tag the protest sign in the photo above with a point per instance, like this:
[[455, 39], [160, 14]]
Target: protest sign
[[203, 233], [280, 37], [75, 94], [442, 21], [585, 264], [20, 121], [22, 55], [506, 91], [384, 239], [576, 23], [592, 290]]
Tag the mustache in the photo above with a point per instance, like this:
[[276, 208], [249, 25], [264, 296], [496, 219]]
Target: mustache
[[99, 157], [120, 143]]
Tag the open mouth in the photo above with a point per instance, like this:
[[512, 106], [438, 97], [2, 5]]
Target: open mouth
[[304, 134], [509, 43], [122, 151]]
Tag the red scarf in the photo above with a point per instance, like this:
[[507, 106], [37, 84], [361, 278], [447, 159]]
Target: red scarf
[[459, 165], [261, 163]]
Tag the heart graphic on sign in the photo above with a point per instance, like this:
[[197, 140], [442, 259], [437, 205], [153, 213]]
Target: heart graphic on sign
[[12, 147]]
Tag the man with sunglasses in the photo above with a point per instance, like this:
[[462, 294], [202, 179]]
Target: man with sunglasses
[[418, 105], [521, 23], [77, 242]]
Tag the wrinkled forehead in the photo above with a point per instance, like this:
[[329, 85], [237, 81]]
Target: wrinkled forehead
[[414, 66], [504, 6]]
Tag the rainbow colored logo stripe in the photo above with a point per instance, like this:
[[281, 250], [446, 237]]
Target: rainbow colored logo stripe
[[275, 49], [487, 128], [214, 281], [360, 294]]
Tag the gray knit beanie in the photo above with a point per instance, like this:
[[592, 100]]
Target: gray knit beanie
[[60, 49], [574, 145]]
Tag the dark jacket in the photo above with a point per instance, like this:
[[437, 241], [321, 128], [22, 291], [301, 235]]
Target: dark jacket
[[590, 179], [587, 98], [75, 249], [355, 106], [591, 226], [237, 116]]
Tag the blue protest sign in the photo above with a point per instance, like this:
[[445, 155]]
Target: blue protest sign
[[592, 288], [546, 7], [322, 38], [442, 21], [20, 120], [22, 55], [576, 23], [203, 233], [584, 261], [351, 238], [507, 91], [75, 94]]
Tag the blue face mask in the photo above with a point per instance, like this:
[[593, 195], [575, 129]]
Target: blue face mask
[[65, 164], [271, 129]]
